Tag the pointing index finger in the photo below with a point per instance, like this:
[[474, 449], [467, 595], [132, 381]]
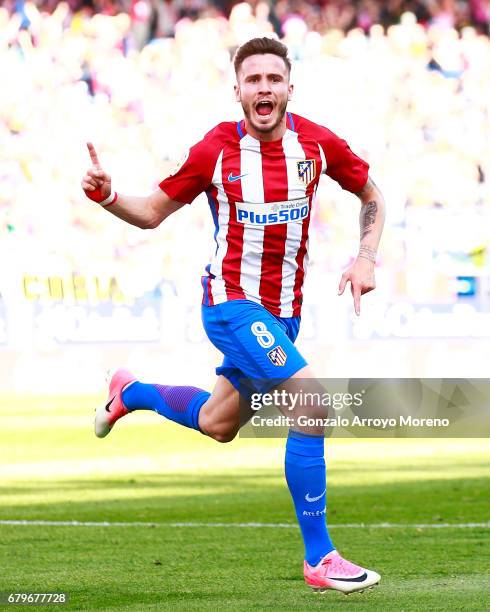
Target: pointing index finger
[[93, 154], [356, 292]]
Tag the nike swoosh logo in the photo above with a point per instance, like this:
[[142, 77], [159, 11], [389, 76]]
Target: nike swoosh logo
[[107, 406], [232, 178], [313, 499], [358, 579]]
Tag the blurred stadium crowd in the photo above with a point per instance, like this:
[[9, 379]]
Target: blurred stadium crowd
[[76, 284], [413, 98], [159, 17]]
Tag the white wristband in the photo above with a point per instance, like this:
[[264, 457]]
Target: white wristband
[[110, 199]]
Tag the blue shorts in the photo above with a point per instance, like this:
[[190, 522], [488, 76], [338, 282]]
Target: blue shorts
[[258, 346]]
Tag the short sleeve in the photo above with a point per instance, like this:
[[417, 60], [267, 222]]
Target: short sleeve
[[344, 166], [193, 174]]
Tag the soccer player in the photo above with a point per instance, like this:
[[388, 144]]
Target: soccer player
[[260, 176]]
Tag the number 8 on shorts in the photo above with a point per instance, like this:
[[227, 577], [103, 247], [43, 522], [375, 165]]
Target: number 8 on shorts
[[263, 335]]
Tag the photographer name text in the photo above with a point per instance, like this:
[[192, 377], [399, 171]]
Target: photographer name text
[[355, 421]]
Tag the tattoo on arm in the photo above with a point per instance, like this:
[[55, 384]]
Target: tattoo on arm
[[367, 253], [367, 217]]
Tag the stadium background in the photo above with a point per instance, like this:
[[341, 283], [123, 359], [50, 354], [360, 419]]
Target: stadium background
[[82, 289], [406, 83]]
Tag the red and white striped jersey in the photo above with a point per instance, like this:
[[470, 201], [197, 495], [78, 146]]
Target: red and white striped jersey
[[260, 195]]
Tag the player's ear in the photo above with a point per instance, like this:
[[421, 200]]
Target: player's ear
[[237, 92], [290, 91]]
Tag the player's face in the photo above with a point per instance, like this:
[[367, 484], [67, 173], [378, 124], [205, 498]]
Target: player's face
[[263, 90]]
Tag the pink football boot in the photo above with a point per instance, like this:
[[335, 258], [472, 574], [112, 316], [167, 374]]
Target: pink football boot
[[334, 572], [107, 414]]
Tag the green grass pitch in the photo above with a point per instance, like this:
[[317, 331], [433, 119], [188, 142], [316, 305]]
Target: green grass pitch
[[150, 471]]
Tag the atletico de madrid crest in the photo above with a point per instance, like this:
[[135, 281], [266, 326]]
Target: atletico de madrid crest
[[306, 170], [277, 356]]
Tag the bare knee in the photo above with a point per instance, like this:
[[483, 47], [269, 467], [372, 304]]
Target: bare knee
[[225, 435], [221, 431]]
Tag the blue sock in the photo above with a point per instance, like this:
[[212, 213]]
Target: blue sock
[[307, 482], [179, 404]]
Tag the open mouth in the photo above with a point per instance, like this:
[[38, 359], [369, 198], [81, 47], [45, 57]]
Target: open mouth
[[264, 109]]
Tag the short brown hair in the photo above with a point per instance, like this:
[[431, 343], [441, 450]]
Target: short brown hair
[[260, 46]]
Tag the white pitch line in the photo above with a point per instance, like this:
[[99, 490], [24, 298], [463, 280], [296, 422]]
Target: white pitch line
[[272, 525]]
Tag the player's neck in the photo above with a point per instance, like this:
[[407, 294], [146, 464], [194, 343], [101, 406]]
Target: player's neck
[[276, 134]]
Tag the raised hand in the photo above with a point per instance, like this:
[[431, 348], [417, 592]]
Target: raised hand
[[96, 183]]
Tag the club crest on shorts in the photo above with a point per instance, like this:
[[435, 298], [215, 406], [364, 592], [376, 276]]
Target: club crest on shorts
[[277, 356], [306, 170]]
